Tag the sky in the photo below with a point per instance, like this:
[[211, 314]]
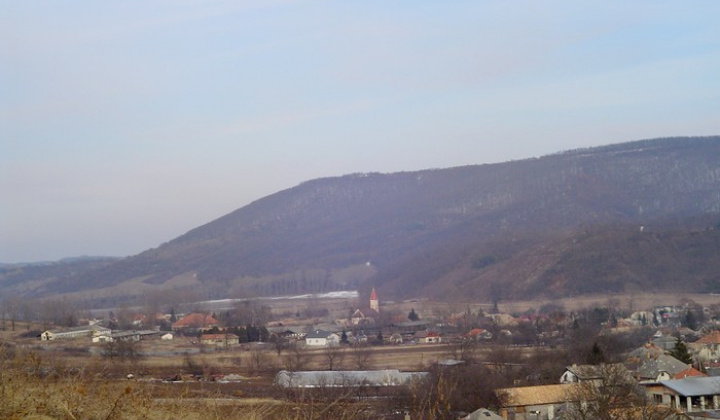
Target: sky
[[124, 124]]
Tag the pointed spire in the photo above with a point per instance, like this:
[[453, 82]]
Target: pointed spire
[[374, 301]]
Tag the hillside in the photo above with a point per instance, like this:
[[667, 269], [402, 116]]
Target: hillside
[[552, 226]]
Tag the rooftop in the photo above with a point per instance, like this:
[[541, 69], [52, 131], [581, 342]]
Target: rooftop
[[694, 387], [537, 395]]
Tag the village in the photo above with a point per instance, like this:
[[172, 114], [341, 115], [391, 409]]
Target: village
[[544, 363]]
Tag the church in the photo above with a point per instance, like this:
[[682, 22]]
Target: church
[[367, 315]]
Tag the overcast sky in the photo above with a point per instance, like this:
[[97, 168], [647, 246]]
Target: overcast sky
[[124, 124]]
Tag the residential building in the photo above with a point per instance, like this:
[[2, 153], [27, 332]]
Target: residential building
[[194, 322], [322, 338], [478, 334], [707, 348], [429, 337], [593, 373], [688, 394], [663, 368], [535, 402]]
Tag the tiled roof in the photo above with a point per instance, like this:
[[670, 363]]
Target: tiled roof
[[318, 334], [710, 338], [650, 368], [690, 372], [475, 332], [537, 395], [196, 320], [647, 351], [587, 372]]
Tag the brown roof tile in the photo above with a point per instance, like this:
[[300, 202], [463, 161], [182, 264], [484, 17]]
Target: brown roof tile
[[536, 395]]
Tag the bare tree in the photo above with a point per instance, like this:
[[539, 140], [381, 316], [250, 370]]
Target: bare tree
[[333, 357], [258, 361], [280, 344], [121, 349], [463, 350], [361, 356], [614, 395], [10, 308], [296, 358], [248, 312]]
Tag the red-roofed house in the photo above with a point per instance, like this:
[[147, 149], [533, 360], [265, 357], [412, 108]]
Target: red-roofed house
[[478, 334], [195, 322], [428, 337], [707, 348]]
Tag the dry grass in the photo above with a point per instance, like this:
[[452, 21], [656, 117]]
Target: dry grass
[[32, 388], [63, 383]]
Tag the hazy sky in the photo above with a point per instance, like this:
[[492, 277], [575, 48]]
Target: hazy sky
[[124, 124]]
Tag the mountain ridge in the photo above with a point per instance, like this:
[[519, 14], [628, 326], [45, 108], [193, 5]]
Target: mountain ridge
[[437, 219]]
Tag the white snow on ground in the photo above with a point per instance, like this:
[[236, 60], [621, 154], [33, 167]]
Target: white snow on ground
[[344, 294]]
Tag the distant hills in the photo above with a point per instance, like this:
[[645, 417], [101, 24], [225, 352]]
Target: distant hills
[[628, 217]]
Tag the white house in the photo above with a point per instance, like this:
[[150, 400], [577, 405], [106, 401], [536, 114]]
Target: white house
[[322, 338]]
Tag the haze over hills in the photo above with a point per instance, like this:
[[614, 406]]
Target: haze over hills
[[617, 218]]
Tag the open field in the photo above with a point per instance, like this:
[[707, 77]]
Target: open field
[[61, 379]]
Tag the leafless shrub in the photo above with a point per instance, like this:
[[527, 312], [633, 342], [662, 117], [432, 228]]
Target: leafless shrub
[[258, 361], [613, 395], [361, 356], [333, 357], [296, 358]]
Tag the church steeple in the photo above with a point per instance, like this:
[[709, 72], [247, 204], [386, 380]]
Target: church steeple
[[374, 301]]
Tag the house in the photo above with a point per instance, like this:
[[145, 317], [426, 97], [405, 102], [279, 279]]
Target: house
[[688, 394], [347, 378], [427, 337], [663, 368], [358, 337], [363, 316], [535, 402], [665, 342], [82, 331], [593, 373], [395, 338], [646, 351], [478, 334], [219, 340], [194, 322], [286, 333], [322, 338], [707, 348]]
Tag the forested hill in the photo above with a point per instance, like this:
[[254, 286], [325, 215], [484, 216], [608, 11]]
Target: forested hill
[[517, 229]]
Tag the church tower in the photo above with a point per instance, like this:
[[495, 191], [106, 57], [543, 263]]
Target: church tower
[[374, 302]]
